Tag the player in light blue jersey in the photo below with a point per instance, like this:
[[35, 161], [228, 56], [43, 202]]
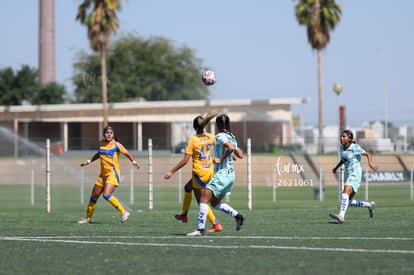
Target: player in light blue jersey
[[351, 156], [225, 152]]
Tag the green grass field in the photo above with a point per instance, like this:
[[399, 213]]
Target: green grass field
[[293, 235]]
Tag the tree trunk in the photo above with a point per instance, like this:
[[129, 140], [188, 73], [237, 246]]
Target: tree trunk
[[320, 90], [104, 83]]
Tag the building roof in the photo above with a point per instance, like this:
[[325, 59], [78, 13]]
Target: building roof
[[153, 111]]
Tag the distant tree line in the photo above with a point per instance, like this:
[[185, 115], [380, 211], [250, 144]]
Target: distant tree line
[[18, 87], [138, 69]]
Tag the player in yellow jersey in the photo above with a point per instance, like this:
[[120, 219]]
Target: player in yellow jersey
[[226, 151], [109, 178], [200, 148]]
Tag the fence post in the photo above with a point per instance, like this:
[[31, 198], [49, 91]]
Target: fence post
[[180, 186], [47, 175], [366, 187], [32, 189], [321, 192], [131, 186], [249, 174], [150, 183], [82, 185], [411, 183], [342, 180], [274, 182]]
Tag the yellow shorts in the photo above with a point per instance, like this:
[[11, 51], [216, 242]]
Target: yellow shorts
[[200, 182], [107, 179]]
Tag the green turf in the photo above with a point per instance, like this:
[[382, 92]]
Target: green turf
[[292, 235]]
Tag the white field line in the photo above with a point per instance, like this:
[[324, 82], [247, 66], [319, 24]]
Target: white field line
[[220, 237], [334, 249]]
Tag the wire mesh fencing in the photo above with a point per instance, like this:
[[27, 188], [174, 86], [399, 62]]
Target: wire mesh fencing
[[267, 180]]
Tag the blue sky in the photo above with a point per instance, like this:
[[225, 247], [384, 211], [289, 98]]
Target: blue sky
[[257, 49]]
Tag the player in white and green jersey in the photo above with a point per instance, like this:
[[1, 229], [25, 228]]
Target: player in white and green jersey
[[225, 150], [351, 156]]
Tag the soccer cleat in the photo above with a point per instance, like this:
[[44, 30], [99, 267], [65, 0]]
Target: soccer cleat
[[125, 216], [85, 221], [216, 228], [371, 209], [337, 217], [239, 221], [198, 232], [182, 218]]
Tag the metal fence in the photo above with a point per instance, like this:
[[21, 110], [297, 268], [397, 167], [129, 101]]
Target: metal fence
[[287, 178]]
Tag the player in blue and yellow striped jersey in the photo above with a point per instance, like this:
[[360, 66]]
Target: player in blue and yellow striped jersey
[[109, 178], [200, 148]]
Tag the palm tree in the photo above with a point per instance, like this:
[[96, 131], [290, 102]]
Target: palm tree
[[101, 22], [319, 17]]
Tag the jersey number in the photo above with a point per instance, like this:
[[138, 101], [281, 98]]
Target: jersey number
[[205, 152]]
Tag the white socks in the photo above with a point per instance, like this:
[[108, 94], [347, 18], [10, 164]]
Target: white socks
[[202, 216], [227, 209], [358, 203], [344, 204]]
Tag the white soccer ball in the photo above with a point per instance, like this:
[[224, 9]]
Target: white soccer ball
[[208, 77]]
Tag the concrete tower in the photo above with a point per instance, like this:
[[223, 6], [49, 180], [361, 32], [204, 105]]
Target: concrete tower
[[47, 69]]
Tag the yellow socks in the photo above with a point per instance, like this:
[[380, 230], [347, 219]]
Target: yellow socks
[[90, 209], [115, 203], [188, 196], [210, 216]]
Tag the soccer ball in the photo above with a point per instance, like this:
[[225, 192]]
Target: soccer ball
[[208, 77]]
